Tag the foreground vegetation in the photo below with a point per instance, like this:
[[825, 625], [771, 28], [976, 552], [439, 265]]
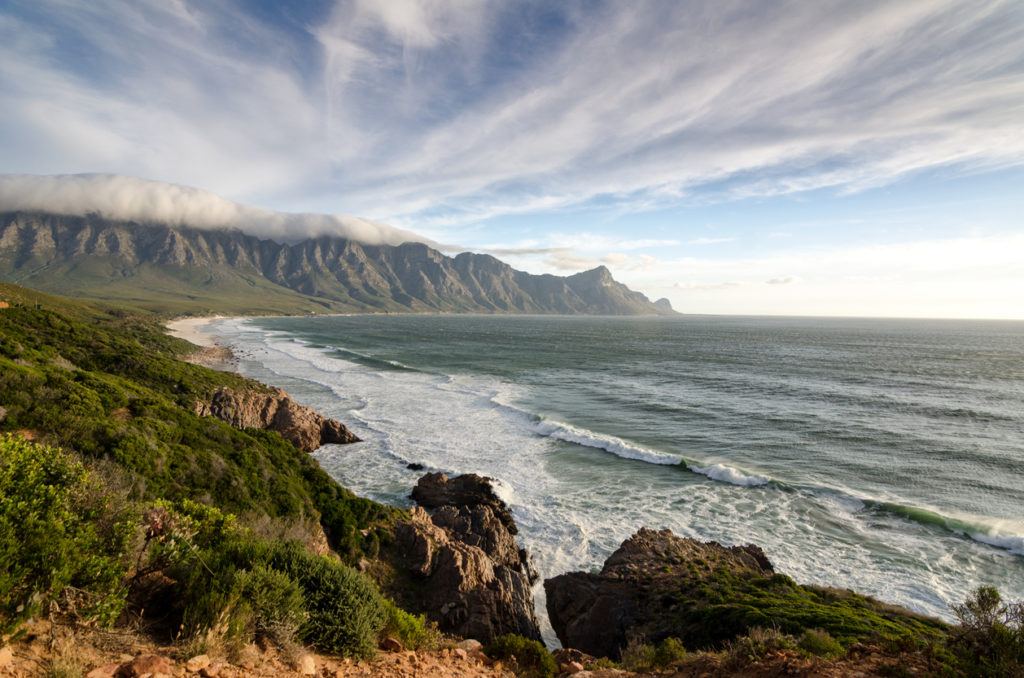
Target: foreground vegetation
[[116, 498]]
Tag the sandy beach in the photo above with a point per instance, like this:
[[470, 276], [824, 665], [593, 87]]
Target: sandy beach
[[210, 354]]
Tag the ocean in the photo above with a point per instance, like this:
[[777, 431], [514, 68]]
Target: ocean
[[884, 456]]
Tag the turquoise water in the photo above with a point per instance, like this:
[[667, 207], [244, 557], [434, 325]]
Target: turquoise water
[[886, 456]]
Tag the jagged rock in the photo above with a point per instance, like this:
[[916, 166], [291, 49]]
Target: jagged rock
[[597, 613], [303, 426], [477, 582], [435, 490]]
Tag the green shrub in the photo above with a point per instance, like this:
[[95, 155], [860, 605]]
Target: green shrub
[[818, 643], [414, 631], [756, 645], [341, 610], [990, 639], [638, 656], [272, 602], [57, 535], [669, 651], [528, 658]]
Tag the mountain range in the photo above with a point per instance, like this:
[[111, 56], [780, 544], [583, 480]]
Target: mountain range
[[181, 269]]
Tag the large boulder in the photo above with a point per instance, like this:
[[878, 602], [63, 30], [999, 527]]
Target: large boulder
[[634, 594], [658, 585], [275, 410], [474, 580]]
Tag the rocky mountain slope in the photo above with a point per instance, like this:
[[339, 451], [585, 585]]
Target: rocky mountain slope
[[177, 268]]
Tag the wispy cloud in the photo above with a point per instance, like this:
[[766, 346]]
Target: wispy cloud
[[423, 110]]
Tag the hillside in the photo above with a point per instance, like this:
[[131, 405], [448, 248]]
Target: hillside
[[179, 269], [212, 540]]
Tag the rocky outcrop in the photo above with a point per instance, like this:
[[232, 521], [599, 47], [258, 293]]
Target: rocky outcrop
[[303, 426], [476, 582], [633, 594], [435, 490]]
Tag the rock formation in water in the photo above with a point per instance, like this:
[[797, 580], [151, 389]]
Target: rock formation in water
[[475, 580], [275, 410]]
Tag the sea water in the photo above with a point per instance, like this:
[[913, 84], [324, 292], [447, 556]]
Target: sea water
[[884, 456]]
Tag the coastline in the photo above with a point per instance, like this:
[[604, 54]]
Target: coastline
[[211, 353]]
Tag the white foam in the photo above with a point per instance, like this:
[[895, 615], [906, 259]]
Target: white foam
[[728, 474], [1012, 543], [505, 491], [608, 443]]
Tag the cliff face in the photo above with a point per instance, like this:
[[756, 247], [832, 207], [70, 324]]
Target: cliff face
[[303, 426], [229, 270], [475, 581]]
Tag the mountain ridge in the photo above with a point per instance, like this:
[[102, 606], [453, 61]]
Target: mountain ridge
[[180, 268]]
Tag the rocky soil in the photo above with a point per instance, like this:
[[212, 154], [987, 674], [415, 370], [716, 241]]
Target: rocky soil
[[52, 649]]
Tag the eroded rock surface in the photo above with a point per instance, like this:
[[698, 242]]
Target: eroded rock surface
[[303, 426], [476, 581]]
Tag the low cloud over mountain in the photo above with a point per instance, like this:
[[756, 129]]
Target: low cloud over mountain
[[131, 199]]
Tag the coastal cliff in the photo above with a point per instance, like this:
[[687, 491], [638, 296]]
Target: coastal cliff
[[275, 410], [470, 575]]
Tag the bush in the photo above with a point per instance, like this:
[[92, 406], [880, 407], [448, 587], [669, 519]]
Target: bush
[[272, 602], [58, 535], [333, 607], [756, 645], [990, 639], [414, 631], [638, 656], [818, 643], [528, 658]]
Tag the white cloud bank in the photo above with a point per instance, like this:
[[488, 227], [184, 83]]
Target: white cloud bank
[[132, 199]]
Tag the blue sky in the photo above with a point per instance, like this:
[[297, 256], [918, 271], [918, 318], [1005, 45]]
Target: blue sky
[[822, 158]]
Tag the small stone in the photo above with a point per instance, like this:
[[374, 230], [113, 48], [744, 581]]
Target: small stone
[[248, 657], [197, 663], [105, 671], [461, 654], [6, 656], [470, 645], [211, 671], [145, 664], [573, 668], [306, 665], [390, 644]]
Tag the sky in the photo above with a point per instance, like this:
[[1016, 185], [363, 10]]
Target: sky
[[737, 157]]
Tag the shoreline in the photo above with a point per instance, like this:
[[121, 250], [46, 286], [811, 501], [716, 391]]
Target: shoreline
[[211, 353]]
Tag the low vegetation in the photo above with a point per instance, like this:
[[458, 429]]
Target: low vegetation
[[115, 390], [527, 658], [712, 612]]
